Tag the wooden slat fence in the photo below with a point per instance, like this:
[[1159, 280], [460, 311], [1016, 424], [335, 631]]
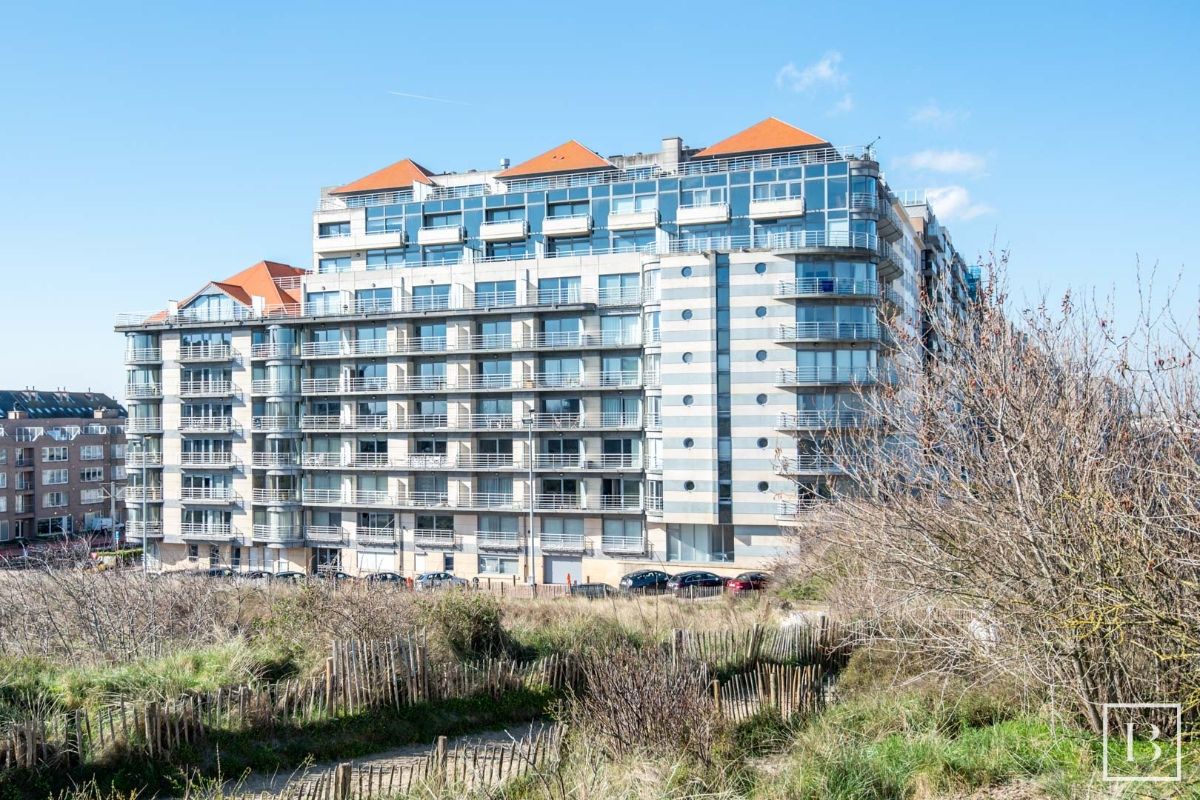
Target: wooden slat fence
[[788, 689], [825, 643]]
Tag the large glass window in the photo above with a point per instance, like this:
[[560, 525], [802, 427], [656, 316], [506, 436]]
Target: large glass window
[[699, 543], [333, 230], [448, 220], [385, 219], [443, 254], [621, 288], [779, 190], [430, 298], [508, 249], [373, 299], [635, 204], [495, 293], [620, 329], [511, 214], [570, 245], [630, 241], [339, 264], [570, 209], [388, 258], [559, 290]]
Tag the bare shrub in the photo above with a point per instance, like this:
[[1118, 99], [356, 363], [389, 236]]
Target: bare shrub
[[640, 703], [1027, 504]]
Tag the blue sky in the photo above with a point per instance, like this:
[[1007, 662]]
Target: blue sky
[[149, 147]]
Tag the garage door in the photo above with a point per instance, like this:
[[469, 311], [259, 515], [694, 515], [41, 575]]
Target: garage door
[[419, 561], [376, 562], [559, 567]]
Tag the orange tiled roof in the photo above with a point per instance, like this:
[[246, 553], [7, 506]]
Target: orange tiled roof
[[567, 157], [770, 134], [400, 175], [257, 280]]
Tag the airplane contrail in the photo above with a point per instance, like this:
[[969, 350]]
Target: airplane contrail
[[427, 97]]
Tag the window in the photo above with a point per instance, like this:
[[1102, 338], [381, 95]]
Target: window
[[442, 220], [558, 290], [621, 288], [323, 302], [635, 204], [428, 298], [89, 452], [91, 474], [54, 454], [339, 264], [385, 219], [3, 480], [443, 254], [3, 508], [495, 293], [628, 241], [53, 477], [54, 499], [570, 245], [389, 258], [497, 565], [620, 329], [333, 230], [89, 496], [51, 526], [513, 214], [621, 531], [571, 209], [708, 196], [508, 249], [193, 552], [699, 542], [373, 299], [779, 190], [216, 306]]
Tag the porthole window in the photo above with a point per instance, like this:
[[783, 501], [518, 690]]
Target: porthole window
[[760, 312], [687, 313], [688, 400], [760, 268], [762, 442], [689, 485], [761, 399], [686, 272], [761, 355], [763, 486], [689, 443], [687, 358]]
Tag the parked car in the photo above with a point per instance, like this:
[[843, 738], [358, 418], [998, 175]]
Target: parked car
[[335, 575], [592, 591], [438, 580], [748, 582], [294, 577], [692, 581], [645, 581], [219, 572], [385, 577], [257, 575]]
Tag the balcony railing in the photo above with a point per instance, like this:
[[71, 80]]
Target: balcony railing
[[134, 458], [144, 425], [489, 500], [628, 545], [217, 459], [275, 387], [276, 496], [573, 461], [561, 542], [278, 534], [822, 419], [791, 509], [143, 355], [809, 462], [270, 350], [143, 530], [325, 534], [207, 494], [140, 391], [208, 531], [276, 460], [429, 537], [205, 352], [208, 425], [206, 389], [816, 375], [820, 287], [377, 537], [143, 494], [499, 540], [275, 424], [843, 331]]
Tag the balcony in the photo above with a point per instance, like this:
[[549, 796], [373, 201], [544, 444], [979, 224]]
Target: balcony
[[325, 535], [426, 500], [325, 497], [808, 462], [205, 352], [423, 422], [276, 497], [143, 494], [488, 500], [268, 386], [511, 541], [806, 376], [273, 350], [433, 538], [483, 461], [217, 495], [269, 460], [143, 391], [702, 214], [208, 425], [353, 422], [632, 220], [422, 344], [573, 225], [827, 287], [208, 531], [791, 510], [488, 422], [563, 462], [275, 424], [804, 420], [209, 460], [777, 208], [278, 534], [562, 542], [143, 355], [829, 331], [134, 458], [377, 537], [143, 530], [440, 234], [623, 545], [206, 389], [143, 425], [506, 231]]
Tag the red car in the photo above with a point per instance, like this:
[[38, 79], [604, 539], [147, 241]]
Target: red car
[[748, 582]]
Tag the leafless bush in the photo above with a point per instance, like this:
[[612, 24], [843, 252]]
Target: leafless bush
[[639, 703], [1028, 504]]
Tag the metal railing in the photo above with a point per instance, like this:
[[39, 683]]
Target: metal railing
[[491, 500], [206, 530], [499, 540], [790, 509], [206, 352], [217, 459], [275, 423], [206, 389], [139, 355], [421, 344], [634, 545], [562, 542], [278, 533], [325, 534], [143, 494], [842, 331], [208, 494], [274, 386], [142, 459], [377, 537], [274, 350], [143, 390], [208, 425], [809, 462], [276, 496], [143, 530], [822, 419], [144, 425], [431, 537], [830, 374], [828, 286], [268, 460]]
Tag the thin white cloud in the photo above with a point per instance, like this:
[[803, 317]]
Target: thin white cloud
[[824, 72], [430, 99], [954, 202], [933, 114], [947, 161], [845, 105]]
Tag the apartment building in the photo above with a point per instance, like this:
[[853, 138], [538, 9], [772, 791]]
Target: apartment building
[[62, 465], [575, 366]]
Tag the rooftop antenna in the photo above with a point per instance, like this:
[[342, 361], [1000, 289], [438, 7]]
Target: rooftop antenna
[[872, 144]]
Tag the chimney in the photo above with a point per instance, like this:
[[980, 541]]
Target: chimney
[[504, 163], [16, 414], [672, 152]]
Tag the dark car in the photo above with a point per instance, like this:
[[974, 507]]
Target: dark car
[[385, 577], [592, 591], [335, 575], [438, 580], [219, 572], [294, 577], [257, 575], [694, 582], [748, 582], [645, 581]]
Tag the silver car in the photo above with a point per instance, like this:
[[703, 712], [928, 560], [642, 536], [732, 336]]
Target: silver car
[[439, 580]]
